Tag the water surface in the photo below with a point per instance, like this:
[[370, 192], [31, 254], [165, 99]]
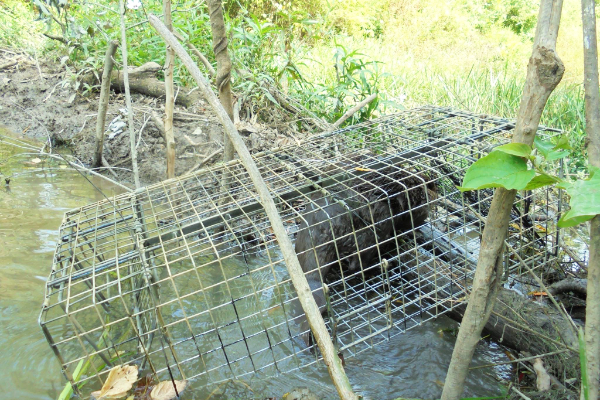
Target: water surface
[[31, 210]]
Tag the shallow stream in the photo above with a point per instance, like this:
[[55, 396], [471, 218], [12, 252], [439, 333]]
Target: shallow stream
[[412, 365]]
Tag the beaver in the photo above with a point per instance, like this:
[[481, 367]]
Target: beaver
[[355, 223]]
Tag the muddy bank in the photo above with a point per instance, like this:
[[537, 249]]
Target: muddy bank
[[46, 101]]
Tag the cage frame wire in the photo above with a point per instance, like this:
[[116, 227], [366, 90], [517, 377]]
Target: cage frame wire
[[153, 232]]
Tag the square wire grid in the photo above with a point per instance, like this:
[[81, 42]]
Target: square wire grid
[[185, 277]]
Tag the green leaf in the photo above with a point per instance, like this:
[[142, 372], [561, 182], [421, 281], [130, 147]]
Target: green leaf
[[585, 200], [498, 169], [542, 180], [549, 150], [563, 143], [516, 149], [566, 221]]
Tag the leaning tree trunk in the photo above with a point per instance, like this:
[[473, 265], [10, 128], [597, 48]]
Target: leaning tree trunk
[[315, 319], [544, 72], [592, 128], [170, 97], [223, 80]]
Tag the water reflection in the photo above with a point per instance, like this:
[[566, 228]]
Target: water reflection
[[31, 209]]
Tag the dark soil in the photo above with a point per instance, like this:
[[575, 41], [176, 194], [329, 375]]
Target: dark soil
[[43, 101]]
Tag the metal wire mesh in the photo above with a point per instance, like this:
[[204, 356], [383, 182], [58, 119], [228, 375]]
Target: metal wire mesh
[[185, 277]]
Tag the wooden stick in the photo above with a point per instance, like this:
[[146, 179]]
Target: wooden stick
[[159, 124], [544, 72], [103, 106], [223, 78], [592, 129], [170, 99], [134, 166], [106, 165], [203, 60], [353, 110], [299, 281]]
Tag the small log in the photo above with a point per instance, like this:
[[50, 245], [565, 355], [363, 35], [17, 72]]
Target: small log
[[143, 80], [569, 285]]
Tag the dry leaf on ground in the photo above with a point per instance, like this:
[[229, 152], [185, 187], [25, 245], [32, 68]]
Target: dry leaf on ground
[[166, 391], [119, 381], [543, 379]]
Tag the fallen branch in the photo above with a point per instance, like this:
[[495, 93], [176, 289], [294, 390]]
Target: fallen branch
[[62, 40], [353, 110], [8, 64], [159, 123], [569, 285], [205, 161], [106, 165], [299, 281]]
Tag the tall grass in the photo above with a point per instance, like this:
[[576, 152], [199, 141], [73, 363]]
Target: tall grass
[[331, 54]]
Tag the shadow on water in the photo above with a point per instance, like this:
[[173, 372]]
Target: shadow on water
[[31, 210]]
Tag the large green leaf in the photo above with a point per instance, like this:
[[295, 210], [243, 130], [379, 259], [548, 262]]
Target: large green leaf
[[549, 150], [516, 149], [542, 180], [585, 200], [498, 169]]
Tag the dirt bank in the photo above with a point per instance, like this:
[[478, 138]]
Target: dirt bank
[[43, 100]]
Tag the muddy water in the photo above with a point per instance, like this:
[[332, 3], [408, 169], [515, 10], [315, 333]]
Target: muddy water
[[31, 209]]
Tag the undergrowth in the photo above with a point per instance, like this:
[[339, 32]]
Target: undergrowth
[[329, 55]]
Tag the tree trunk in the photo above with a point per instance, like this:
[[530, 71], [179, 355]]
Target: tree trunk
[[104, 95], [170, 99], [592, 128], [223, 80], [313, 314], [544, 72]]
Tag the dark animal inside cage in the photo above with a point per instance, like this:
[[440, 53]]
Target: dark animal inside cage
[[354, 223]]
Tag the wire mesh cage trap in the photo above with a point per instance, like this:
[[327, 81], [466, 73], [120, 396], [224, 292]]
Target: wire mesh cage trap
[[185, 279]]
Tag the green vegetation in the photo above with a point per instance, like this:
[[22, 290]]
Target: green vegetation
[[329, 54]]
